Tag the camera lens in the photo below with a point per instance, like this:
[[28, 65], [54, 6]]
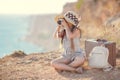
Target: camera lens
[[59, 22]]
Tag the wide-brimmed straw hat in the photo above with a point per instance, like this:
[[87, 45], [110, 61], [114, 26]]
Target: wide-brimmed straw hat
[[70, 17]]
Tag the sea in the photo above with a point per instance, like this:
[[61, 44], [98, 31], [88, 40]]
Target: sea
[[13, 29]]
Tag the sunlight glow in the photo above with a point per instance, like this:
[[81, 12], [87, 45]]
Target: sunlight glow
[[32, 6]]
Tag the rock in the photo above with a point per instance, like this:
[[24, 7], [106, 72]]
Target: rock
[[113, 21], [34, 59], [25, 62], [18, 54], [112, 29]]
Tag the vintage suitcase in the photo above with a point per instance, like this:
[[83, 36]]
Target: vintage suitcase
[[91, 43]]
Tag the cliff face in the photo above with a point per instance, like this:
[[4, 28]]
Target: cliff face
[[95, 14], [41, 32], [97, 11]]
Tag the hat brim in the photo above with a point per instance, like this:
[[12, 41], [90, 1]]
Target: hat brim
[[66, 18], [59, 17], [70, 21]]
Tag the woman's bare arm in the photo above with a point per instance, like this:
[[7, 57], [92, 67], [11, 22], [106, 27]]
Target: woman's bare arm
[[73, 34], [55, 35]]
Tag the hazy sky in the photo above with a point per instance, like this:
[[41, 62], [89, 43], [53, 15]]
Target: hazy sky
[[32, 6]]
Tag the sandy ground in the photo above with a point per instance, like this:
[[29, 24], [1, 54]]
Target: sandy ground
[[36, 66]]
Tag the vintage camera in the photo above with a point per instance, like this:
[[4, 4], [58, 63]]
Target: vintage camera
[[59, 22]]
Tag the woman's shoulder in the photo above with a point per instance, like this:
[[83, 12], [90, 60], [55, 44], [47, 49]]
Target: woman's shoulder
[[77, 32]]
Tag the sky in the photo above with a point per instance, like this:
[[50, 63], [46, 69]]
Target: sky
[[32, 6]]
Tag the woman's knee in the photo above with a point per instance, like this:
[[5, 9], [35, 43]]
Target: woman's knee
[[77, 61], [54, 63], [60, 60], [80, 59]]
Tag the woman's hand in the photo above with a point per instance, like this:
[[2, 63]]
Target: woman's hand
[[55, 35], [75, 33], [59, 32], [64, 24]]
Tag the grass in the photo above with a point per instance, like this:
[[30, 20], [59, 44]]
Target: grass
[[79, 3]]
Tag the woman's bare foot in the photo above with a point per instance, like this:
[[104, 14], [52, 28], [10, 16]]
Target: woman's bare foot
[[79, 70], [59, 71]]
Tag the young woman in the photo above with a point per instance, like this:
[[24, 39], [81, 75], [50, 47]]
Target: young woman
[[73, 56]]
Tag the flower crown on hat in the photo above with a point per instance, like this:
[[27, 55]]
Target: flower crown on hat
[[71, 17]]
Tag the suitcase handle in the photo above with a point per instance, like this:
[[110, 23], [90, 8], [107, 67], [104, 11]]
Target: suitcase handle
[[101, 40]]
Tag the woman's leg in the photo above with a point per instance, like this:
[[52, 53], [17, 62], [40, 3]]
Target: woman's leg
[[62, 64], [79, 60]]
